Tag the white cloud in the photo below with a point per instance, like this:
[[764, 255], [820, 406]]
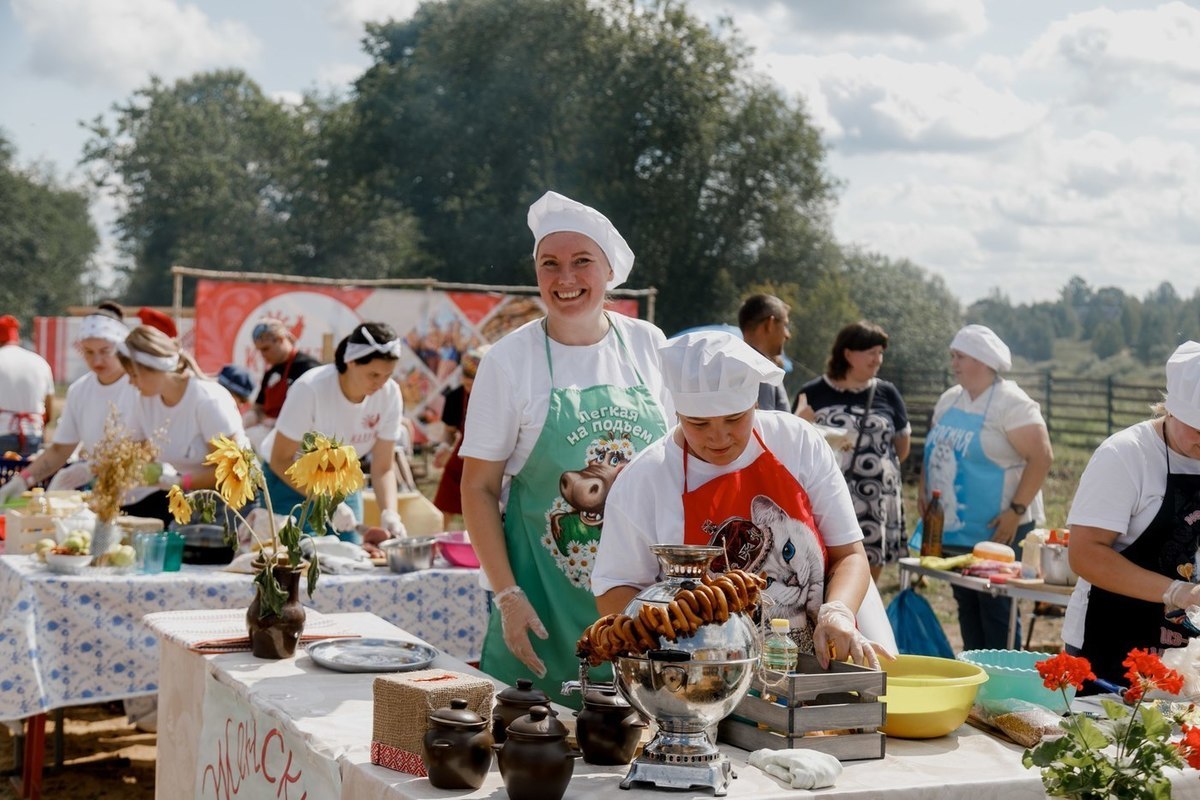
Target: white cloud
[[1112, 52], [882, 103], [339, 75], [287, 97], [120, 43], [351, 15]]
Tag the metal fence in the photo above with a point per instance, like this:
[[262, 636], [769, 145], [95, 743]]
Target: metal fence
[[1078, 411]]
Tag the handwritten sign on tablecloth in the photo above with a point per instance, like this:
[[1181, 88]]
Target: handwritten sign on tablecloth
[[224, 631], [245, 753]]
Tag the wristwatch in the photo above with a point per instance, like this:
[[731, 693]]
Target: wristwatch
[[1020, 508]]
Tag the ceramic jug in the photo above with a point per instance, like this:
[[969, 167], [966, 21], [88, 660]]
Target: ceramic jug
[[513, 703], [458, 747], [608, 729], [535, 761]]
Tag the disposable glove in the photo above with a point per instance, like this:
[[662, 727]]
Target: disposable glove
[[1180, 594], [15, 487], [169, 477], [72, 476], [390, 522], [518, 618], [343, 518], [837, 631], [250, 418]]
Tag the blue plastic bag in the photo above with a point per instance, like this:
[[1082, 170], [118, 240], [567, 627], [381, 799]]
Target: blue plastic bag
[[918, 631]]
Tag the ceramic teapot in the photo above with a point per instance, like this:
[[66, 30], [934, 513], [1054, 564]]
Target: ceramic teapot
[[608, 729], [458, 747], [535, 761]]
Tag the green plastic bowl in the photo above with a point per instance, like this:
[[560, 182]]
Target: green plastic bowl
[[1013, 676]]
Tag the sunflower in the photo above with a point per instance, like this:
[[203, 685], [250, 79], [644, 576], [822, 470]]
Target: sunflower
[[178, 505], [234, 474], [327, 468]]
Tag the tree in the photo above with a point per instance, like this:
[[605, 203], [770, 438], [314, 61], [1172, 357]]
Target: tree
[[46, 241], [1108, 340], [473, 108]]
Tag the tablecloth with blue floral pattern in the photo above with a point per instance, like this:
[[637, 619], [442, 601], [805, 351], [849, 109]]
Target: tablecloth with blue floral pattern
[[72, 640]]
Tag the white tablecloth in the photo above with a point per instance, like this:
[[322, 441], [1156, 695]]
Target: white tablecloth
[[332, 713], [70, 640]]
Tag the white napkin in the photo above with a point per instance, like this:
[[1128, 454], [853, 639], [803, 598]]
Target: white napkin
[[335, 556], [801, 769]]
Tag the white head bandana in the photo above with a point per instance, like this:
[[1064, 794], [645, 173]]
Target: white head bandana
[[100, 326], [714, 373], [356, 350], [553, 213], [982, 344], [1183, 384], [160, 363]]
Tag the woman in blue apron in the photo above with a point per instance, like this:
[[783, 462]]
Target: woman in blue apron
[[987, 452], [558, 408], [1135, 526]]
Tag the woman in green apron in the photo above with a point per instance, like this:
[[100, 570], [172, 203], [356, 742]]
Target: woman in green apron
[[558, 408]]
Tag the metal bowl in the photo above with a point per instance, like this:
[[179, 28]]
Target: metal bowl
[[410, 554]]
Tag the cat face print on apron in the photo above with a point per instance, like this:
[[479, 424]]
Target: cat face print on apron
[[972, 485], [762, 518], [554, 517]]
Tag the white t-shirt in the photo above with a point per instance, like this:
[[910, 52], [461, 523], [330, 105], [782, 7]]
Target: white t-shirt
[[88, 405], [25, 380], [182, 431], [645, 504], [315, 402], [1121, 490], [511, 394], [1006, 408]]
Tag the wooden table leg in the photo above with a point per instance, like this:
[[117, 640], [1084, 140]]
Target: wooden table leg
[[34, 757]]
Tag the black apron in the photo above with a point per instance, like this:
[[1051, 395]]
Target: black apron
[[1115, 624]]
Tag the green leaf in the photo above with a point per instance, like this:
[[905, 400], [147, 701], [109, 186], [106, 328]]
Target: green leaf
[[314, 572], [271, 594]]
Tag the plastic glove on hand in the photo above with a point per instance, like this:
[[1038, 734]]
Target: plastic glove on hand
[[390, 522], [72, 476], [343, 518], [517, 618], [15, 487], [837, 637], [1180, 594]]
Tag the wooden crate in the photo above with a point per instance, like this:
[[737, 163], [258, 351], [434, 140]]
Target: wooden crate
[[22, 531], [844, 698]]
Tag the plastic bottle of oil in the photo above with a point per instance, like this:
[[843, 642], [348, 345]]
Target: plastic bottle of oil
[[931, 526], [779, 651]]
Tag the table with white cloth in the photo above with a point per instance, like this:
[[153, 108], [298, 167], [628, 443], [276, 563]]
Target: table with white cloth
[[79, 639], [325, 717]]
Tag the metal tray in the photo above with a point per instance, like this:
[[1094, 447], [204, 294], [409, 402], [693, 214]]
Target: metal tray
[[371, 655]]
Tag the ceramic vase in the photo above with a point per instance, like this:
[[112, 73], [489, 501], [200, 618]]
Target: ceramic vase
[[277, 635]]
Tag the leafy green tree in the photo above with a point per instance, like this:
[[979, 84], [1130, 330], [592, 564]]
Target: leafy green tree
[[1108, 340], [473, 108], [46, 241]]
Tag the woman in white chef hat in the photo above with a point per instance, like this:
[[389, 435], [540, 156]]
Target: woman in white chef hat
[[987, 452], [762, 484], [1135, 524], [90, 399], [558, 408]]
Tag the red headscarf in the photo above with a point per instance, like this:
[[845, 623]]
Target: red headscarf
[[157, 319], [9, 329]]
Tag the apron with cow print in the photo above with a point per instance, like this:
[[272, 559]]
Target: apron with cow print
[[762, 518], [555, 515]]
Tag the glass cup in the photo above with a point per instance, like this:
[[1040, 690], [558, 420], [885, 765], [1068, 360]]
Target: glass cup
[[173, 555], [151, 549]]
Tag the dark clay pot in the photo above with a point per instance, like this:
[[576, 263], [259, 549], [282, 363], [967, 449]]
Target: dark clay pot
[[276, 636], [608, 729], [535, 761], [514, 703], [458, 747]]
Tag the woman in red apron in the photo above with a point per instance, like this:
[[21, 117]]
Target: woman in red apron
[[762, 485], [454, 416]]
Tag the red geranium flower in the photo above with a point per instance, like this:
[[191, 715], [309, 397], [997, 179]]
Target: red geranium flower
[[1145, 671], [1189, 746], [1064, 670]]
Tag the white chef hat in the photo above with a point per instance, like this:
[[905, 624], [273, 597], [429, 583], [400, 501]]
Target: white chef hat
[[982, 344], [714, 373], [1183, 383], [553, 213]]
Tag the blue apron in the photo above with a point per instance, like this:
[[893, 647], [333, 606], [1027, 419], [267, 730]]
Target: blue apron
[[972, 485]]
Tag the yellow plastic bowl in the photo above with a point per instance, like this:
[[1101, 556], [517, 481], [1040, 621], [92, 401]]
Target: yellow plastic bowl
[[929, 697]]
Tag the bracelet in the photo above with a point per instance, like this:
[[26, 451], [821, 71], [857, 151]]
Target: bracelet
[[185, 481], [27, 475]]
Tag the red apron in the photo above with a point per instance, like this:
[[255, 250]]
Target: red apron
[[18, 422], [762, 517], [274, 395], [449, 492]]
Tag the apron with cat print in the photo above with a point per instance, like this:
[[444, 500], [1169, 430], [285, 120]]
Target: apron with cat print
[[972, 485], [554, 517], [762, 518]]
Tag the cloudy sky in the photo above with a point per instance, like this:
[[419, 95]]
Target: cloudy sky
[[1001, 144]]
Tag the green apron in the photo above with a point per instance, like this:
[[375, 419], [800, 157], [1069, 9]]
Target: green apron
[[551, 545]]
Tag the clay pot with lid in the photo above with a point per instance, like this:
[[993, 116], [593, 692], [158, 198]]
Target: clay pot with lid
[[513, 703], [608, 729], [457, 747], [535, 761]]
